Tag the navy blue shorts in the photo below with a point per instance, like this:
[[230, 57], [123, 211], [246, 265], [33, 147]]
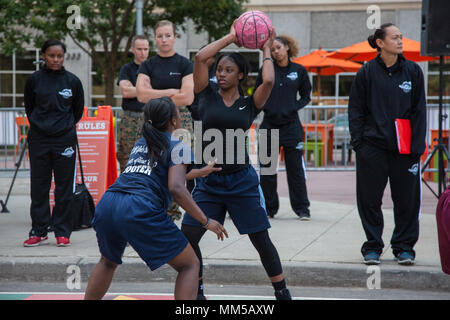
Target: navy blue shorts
[[121, 218], [238, 193]]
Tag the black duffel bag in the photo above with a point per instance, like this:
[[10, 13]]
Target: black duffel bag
[[82, 206]]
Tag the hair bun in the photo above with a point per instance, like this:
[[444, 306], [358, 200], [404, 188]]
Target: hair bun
[[372, 41]]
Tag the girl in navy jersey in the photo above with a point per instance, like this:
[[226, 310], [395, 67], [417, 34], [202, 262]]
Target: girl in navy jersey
[[134, 208], [236, 187]]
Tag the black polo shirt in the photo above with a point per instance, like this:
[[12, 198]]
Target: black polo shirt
[[166, 72], [129, 72]]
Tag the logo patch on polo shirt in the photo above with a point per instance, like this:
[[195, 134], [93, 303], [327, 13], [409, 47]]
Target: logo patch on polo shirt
[[66, 93], [406, 86], [293, 76]]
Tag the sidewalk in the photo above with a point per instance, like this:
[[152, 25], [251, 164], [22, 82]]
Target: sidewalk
[[324, 251]]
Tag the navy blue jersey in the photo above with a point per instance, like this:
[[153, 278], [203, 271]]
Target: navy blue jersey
[[151, 183]]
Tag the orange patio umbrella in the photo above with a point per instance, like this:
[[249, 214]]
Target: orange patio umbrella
[[320, 62], [362, 51]]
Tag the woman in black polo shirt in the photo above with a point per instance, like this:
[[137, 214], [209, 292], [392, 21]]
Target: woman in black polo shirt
[[386, 88], [54, 103], [168, 74]]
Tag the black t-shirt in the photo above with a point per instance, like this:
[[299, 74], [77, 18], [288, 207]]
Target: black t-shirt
[[129, 72], [214, 114], [166, 73]]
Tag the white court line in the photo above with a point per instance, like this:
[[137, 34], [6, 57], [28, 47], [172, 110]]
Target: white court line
[[229, 296]]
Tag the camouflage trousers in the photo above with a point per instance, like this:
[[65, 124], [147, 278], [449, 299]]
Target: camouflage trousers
[[187, 124], [186, 119], [129, 132]]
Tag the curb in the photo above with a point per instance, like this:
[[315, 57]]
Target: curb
[[306, 274]]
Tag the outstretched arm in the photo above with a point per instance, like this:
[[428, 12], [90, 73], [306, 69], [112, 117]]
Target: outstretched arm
[[263, 91], [203, 172], [181, 195], [201, 68]]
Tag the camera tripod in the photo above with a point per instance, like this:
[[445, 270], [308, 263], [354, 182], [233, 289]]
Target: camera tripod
[[17, 164], [440, 148]]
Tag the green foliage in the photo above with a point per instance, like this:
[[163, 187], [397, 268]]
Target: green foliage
[[212, 16], [106, 26]]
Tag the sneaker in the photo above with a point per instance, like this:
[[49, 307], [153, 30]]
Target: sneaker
[[35, 241], [405, 258], [371, 258], [304, 216], [62, 242], [283, 294], [201, 296], [271, 215]]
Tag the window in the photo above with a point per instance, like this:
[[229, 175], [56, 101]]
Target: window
[[14, 71], [6, 83], [327, 90], [5, 62], [26, 61], [345, 84], [433, 82], [335, 91], [433, 85], [98, 85]]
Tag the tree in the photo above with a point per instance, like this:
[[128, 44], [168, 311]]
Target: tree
[[104, 28], [214, 17]]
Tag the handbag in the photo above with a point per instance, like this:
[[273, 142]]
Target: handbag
[[443, 228], [82, 206]]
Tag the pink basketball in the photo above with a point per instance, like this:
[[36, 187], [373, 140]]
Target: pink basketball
[[252, 29]]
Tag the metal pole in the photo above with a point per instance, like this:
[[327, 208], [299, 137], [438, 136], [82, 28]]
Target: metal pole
[[441, 173], [139, 8]]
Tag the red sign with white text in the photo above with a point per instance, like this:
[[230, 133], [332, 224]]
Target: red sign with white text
[[93, 142]]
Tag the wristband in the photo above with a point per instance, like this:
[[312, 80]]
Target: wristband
[[270, 59], [206, 224]]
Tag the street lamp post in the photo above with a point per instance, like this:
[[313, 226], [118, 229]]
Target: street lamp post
[[139, 7]]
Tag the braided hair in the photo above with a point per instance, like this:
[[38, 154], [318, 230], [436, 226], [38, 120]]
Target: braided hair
[[157, 115]]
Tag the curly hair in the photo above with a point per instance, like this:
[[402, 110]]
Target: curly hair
[[291, 43]]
